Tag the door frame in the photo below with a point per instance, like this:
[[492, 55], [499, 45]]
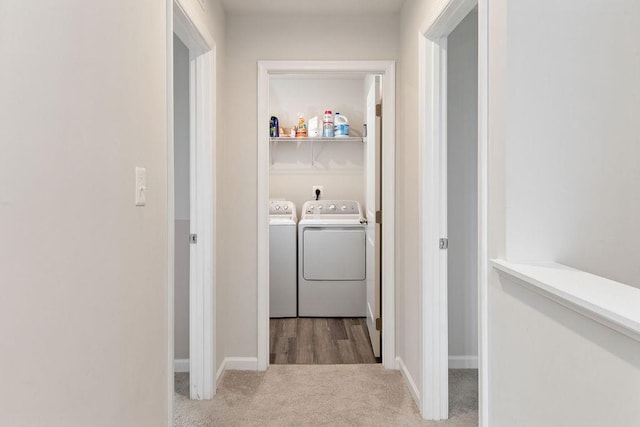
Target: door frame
[[181, 19], [432, 110], [387, 70]]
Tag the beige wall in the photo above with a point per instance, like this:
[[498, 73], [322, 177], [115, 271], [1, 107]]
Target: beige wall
[[83, 317], [84, 313], [216, 21], [249, 39]]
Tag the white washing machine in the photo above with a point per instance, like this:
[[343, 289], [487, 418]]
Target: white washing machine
[[331, 254], [283, 262]]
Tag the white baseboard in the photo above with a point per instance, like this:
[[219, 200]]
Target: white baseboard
[[409, 380], [181, 365], [236, 364], [463, 362], [220, 372], [241, 363]]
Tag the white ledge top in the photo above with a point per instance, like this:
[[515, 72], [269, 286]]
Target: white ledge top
[[608, 302]]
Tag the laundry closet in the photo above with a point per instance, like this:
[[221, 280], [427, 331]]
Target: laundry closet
[[324, 191], [299, 164]]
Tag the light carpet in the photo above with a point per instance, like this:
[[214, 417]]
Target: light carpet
[[320, 395]]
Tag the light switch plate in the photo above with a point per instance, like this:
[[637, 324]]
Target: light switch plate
[[141, 186]]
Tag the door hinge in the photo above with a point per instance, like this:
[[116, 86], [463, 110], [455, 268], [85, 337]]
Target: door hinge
[[378, 110], [193, 238], [444, 243], [378, 323], [378, 217]]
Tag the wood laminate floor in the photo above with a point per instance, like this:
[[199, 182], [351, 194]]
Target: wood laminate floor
[[312, 340]]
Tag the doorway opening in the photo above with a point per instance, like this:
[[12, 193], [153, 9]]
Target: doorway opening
[[182, 200], [453, 115], [336, 305], [462, 192], [325, 308], [191, 196]]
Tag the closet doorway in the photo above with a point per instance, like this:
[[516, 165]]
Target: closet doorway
[[453, 141], [344, 313], [191, 196]]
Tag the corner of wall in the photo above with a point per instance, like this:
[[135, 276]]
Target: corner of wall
[[411, 384]]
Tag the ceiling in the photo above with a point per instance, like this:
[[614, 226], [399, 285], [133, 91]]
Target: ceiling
[[317, 7]]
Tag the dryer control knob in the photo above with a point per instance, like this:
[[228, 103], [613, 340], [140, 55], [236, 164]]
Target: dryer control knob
[[343, 207], [332, 207], [277, 207]]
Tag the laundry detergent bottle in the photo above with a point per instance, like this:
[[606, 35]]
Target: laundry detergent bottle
[[341, 126]]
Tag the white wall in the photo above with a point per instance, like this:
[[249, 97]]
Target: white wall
[[574, 136], [462, 181], [299, 165], [563, 167], [181, 188], [553, 367], [251, 38], [84, 313]]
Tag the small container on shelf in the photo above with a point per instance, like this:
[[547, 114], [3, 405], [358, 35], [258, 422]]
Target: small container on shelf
[[301, 130], [274, 127], [327, 124], [314, 127]]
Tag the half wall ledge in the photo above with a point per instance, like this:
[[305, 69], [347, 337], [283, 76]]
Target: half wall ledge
[[610, 303]]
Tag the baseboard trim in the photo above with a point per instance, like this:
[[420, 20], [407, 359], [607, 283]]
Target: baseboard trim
[[241, 363], [181, 365], [236, 364], [220, 372], [463, 362], [409, 380]]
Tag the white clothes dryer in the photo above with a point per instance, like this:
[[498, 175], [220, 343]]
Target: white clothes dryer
[[283, 252], [331, 256]]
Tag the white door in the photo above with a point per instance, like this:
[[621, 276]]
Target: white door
[[372, 205]]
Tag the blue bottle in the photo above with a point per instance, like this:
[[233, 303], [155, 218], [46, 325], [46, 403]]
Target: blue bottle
[[274, 128]]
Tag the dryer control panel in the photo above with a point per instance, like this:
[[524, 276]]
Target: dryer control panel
[[331, 207]]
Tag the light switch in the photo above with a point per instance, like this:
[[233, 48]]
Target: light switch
[[141, 186]]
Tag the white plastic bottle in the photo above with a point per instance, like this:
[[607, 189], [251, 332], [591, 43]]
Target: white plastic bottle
[[341, 127]]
